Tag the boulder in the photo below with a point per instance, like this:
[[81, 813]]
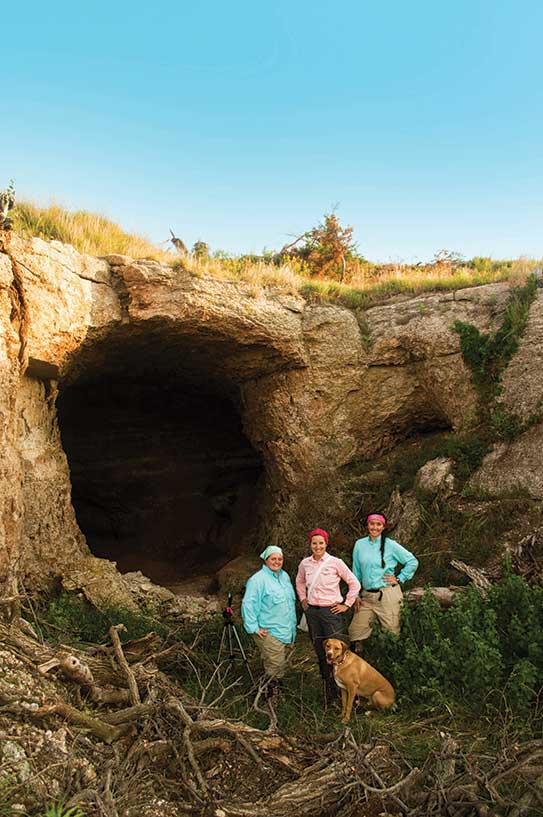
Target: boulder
[[436, 477], [232, 578]]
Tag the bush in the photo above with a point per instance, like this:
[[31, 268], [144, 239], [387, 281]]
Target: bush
[[480, 651], [74, 614], [326, 248]]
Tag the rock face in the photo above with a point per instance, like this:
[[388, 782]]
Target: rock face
[[523, 381], [513, 469], [168, 422]]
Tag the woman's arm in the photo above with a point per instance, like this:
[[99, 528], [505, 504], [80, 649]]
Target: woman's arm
[[301, 585], [409, 562], [250, 606], [352, 582], [357, 566]]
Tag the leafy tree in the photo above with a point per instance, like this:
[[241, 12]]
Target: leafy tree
[[200, 250], [326, 249]]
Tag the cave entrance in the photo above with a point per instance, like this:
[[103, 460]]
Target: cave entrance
[[163, 478]]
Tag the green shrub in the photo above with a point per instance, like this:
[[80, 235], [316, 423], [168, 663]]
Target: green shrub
[[477, 653], [74, 614], [468, 452], [487, 355]]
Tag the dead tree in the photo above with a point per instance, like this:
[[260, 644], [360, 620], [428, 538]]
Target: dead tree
[[178, 244], [7, 203]]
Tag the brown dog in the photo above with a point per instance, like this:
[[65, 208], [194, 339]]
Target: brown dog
[[355, 676]]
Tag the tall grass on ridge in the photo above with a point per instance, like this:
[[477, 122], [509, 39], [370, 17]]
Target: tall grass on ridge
[[366, 283], [87, 232]]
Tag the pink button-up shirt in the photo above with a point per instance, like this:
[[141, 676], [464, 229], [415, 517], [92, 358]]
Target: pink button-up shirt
[[326, 589]]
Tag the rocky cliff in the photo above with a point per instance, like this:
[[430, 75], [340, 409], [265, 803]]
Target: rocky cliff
[[153, 418]]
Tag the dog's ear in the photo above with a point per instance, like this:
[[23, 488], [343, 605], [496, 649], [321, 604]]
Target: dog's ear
[[344, 648], [325, 642]]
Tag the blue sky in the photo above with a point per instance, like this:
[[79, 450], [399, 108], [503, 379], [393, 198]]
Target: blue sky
[[242, 123]]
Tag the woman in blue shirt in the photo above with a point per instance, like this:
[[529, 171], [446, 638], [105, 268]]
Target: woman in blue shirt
[[269, 614], [375, 559]]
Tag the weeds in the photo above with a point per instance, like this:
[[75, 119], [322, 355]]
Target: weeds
[[59, 810], [74, 615]]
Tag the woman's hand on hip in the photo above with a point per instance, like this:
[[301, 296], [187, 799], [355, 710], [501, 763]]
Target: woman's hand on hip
[[339, 608], [262, 633], [390, 578], [305, 604]]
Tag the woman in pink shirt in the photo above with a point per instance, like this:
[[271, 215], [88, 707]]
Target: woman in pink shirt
[[317, 586]]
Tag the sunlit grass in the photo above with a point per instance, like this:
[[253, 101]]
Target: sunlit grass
[[366, 283], [88, 232]]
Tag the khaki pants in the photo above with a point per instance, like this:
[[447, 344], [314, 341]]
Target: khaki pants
[[386, 609], [274, 654]]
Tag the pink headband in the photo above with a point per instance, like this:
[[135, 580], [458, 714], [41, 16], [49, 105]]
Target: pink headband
[[376, 517], [318, 532]]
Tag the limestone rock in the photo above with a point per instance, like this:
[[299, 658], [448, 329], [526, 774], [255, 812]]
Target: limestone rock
[[513, 468], [146, 592], [232, 578], [522, 384], [405, 516], [436, 477], [100, 582], [165, 417], [163, 602]]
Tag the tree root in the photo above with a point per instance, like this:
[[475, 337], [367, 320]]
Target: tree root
[[101, 730]]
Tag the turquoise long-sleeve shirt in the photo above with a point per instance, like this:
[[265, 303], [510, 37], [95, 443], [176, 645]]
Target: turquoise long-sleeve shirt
[[269, 603], [367, 562]]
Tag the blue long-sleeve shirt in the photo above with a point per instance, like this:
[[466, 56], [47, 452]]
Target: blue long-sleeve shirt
[[269, 603], [367, 562]]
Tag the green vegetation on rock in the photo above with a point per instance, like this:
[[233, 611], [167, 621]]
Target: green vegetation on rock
[[487, 355]]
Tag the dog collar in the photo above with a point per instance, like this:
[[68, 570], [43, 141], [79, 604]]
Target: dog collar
[[345, 654]]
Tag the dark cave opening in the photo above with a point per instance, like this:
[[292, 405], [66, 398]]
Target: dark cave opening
[[163, 478]]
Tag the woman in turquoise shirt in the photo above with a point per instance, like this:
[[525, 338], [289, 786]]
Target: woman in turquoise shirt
[[269, 614], [375, 560]]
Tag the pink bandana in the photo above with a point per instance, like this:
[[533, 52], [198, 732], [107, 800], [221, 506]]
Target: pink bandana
[[376, 517], [318, 532]]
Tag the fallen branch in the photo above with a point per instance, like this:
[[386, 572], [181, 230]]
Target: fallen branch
[[101, 730], [132, 685], [477, 576]]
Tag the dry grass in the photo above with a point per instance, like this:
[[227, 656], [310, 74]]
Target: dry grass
[[258, 275], [368, 283], [87, 232]]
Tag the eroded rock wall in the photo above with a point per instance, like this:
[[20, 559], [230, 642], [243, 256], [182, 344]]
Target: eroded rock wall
[[312, 389]]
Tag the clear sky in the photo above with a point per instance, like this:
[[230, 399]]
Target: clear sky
[[241, 123]]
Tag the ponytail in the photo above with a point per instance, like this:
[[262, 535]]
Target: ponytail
[[383, 540]]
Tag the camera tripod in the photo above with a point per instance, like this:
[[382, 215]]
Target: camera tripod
[[230, 638]]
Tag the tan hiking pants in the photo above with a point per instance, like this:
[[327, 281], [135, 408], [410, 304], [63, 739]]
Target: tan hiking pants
[[386, 609], [274, 654]]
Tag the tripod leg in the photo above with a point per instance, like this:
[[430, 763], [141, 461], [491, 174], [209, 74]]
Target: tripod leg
[[231, 655], [221, 646], [242, 651]]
